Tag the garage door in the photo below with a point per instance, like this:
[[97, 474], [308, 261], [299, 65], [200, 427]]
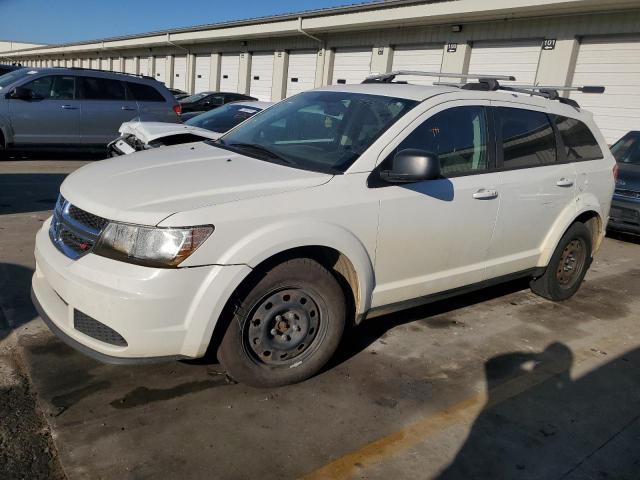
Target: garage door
[[161, 71], [203, 70], [229, 66], [180, 72], [144, 66], [261, 76], [614, 63], [95, 63], [519, 59], [351, 65], [427, 58], [86, 63], [302, 71], [130, 65]]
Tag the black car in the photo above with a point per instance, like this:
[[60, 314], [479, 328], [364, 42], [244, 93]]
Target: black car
[[8, 68], [625, 208], [205, 101], [178, 94]]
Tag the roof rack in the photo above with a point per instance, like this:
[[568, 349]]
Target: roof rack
[[544, 91], [139, 75], [390, 77]]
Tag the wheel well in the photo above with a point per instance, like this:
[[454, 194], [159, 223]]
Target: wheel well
[[2, 142], [333, 260], [593, 222]]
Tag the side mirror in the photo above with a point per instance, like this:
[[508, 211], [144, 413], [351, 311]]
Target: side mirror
[[21, 93], [412, 165]]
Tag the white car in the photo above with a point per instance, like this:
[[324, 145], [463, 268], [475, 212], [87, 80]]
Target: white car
[[334, 205], [140, 135]]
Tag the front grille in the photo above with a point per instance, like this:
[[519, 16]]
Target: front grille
[[93, 328], [74, 231]]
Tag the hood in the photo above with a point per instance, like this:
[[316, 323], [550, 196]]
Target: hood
[[628, 177], [150, 131], [148, 186]]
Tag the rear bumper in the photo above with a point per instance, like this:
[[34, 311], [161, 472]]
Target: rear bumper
[[625, 214]]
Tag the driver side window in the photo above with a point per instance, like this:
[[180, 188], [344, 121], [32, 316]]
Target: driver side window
[[52, 88], [458, 136]]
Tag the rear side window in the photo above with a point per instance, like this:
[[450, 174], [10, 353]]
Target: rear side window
[[579, 142], [102, 89], [144, 93], [528, 140], [458, 136]]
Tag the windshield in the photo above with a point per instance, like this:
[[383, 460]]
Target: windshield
[[626, 150], [8, 78], [224, 118], [322, 131], [194, 98]]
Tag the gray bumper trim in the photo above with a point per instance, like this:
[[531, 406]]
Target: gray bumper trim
[[101, 357]]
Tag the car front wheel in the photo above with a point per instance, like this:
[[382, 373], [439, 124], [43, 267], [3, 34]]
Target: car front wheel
[[285, 327]]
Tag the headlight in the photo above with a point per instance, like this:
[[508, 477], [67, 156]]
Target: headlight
[[150, 246]]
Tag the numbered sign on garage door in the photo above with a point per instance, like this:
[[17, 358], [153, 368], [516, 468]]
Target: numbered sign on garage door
[[203, 70], [229, 66], [261, 76], [301, 75], [615, 64], [519, 59], [130, 65], [426, 58], [161, 69], [351, 65], [180, 72]]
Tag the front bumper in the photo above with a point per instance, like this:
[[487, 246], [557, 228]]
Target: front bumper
[[625, 214], [161, 313]]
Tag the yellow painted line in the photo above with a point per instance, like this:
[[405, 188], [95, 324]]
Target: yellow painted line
[[465, 411]]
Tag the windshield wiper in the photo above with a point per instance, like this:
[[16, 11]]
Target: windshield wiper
[[261, 149]]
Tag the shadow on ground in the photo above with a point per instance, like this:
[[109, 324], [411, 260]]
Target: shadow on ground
[[29, 192], [16, 308]]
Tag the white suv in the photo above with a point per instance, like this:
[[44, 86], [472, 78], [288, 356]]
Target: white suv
[[334, 205]]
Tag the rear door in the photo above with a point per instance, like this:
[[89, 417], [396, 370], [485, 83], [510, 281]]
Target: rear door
[[535, 187], [51, 117], [105, 107], [152, 106]]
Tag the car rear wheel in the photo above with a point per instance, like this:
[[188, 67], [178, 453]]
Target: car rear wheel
[[568, 265], [285, 327]]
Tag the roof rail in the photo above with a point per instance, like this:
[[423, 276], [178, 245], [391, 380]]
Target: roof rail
[[139, 75], [544, 91], [390, 77]]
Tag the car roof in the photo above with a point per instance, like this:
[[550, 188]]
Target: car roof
[[93, 72]]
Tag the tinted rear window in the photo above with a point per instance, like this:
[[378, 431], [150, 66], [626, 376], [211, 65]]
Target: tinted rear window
[[144, 93], [527, 137], [102, 89], [579, 142]]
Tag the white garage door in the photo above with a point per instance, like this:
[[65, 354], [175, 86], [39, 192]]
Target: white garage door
[[614, 63], [519, 59], [203, 70], [302, 71], [261, 76], [95, 63], [130, 65], [427, 58], [351, 65], [144, 66], [229, 66], [161, 70], [180, 72], [86, 63]]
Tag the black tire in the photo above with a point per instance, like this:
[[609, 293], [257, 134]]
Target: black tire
[[567, 267], [285, 326]]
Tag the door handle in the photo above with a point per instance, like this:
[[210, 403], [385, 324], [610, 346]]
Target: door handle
[[565, 182], [485, 194], [128, 108], [68, 107]]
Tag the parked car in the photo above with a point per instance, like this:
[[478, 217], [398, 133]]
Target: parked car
[[4, 68], [136, 135], [205, 101], [76, 107], [335, 205], [625, 209], [178, 94]]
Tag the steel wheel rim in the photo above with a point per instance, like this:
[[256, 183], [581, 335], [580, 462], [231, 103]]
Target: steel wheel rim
[[285, 326], [571, 263]]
